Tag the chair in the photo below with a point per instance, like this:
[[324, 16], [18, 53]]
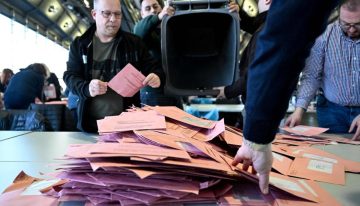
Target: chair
[[22, 120]]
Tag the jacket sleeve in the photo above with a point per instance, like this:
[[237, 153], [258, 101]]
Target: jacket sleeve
[[281, 50], [74, 76], [312, 74], [146, 25]]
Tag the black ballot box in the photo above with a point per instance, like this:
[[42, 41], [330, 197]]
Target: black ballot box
[[200, 47]]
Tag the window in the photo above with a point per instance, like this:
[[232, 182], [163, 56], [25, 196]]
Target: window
[[21, 46]]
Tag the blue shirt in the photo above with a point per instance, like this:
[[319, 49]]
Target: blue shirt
[[334, 66]]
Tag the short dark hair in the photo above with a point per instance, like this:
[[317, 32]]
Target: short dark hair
[[40, 68], [139, 2]]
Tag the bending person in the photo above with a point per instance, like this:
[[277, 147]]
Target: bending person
[[333, 67], [281, 50]]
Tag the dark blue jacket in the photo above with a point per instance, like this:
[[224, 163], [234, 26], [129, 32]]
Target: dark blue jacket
[[23, 88], [282, 47]]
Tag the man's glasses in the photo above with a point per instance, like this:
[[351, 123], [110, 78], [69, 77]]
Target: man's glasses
[[346, 26], [107, 14]]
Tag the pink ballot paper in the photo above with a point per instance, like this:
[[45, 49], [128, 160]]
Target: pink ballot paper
[[127, 82]]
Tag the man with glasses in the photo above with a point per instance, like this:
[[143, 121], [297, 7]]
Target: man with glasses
[[97, 56], [334, 66]]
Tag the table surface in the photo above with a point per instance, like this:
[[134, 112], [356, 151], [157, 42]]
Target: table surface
[[34, 152], [4, 135], [220, 107]]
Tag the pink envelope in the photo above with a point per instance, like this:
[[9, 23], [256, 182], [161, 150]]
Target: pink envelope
[[127, 82]]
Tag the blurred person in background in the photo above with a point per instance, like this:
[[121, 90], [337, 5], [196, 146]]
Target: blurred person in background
[[333, 66], [26, 86], [6, 75], [283, 45], [52, 83]]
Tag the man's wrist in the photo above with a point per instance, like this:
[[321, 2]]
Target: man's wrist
[[256, 146]]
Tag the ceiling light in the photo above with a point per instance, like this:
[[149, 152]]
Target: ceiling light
[[87, 4], [52, 9], [67, 25]]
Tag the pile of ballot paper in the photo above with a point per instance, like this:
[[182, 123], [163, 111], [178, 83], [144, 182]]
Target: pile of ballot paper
[[164, 156]]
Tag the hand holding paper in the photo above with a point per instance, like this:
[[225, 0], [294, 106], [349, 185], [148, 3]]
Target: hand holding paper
[[152, 80], [97, 87]]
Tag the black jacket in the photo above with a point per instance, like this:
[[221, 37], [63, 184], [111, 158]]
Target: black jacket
[[130, 49]]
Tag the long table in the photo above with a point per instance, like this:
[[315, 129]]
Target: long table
[[34, 152]]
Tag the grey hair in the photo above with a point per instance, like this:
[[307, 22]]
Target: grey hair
[[96, 3], [351, 5]]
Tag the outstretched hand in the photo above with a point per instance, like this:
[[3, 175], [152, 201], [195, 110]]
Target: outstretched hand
[[355, 124], [295, 118], [260, 160]]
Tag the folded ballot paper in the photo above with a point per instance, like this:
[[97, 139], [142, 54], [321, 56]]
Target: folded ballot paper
[[176, 159], [127, 82]]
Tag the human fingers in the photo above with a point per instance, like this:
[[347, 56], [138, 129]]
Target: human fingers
[[152, 80], [264, 182], [246, 164], [233, 7], [262, 163], [221, 94], [238, 158], [355, 123], [288, 121], [170, 11], [167, 10], [97, 87], [356, 135]]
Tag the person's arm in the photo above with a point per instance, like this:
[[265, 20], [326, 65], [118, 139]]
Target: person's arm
[[310, 81], [355, 124], [281, 50], [295, 118], [146, 25], [312, 74], [74, 76]]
